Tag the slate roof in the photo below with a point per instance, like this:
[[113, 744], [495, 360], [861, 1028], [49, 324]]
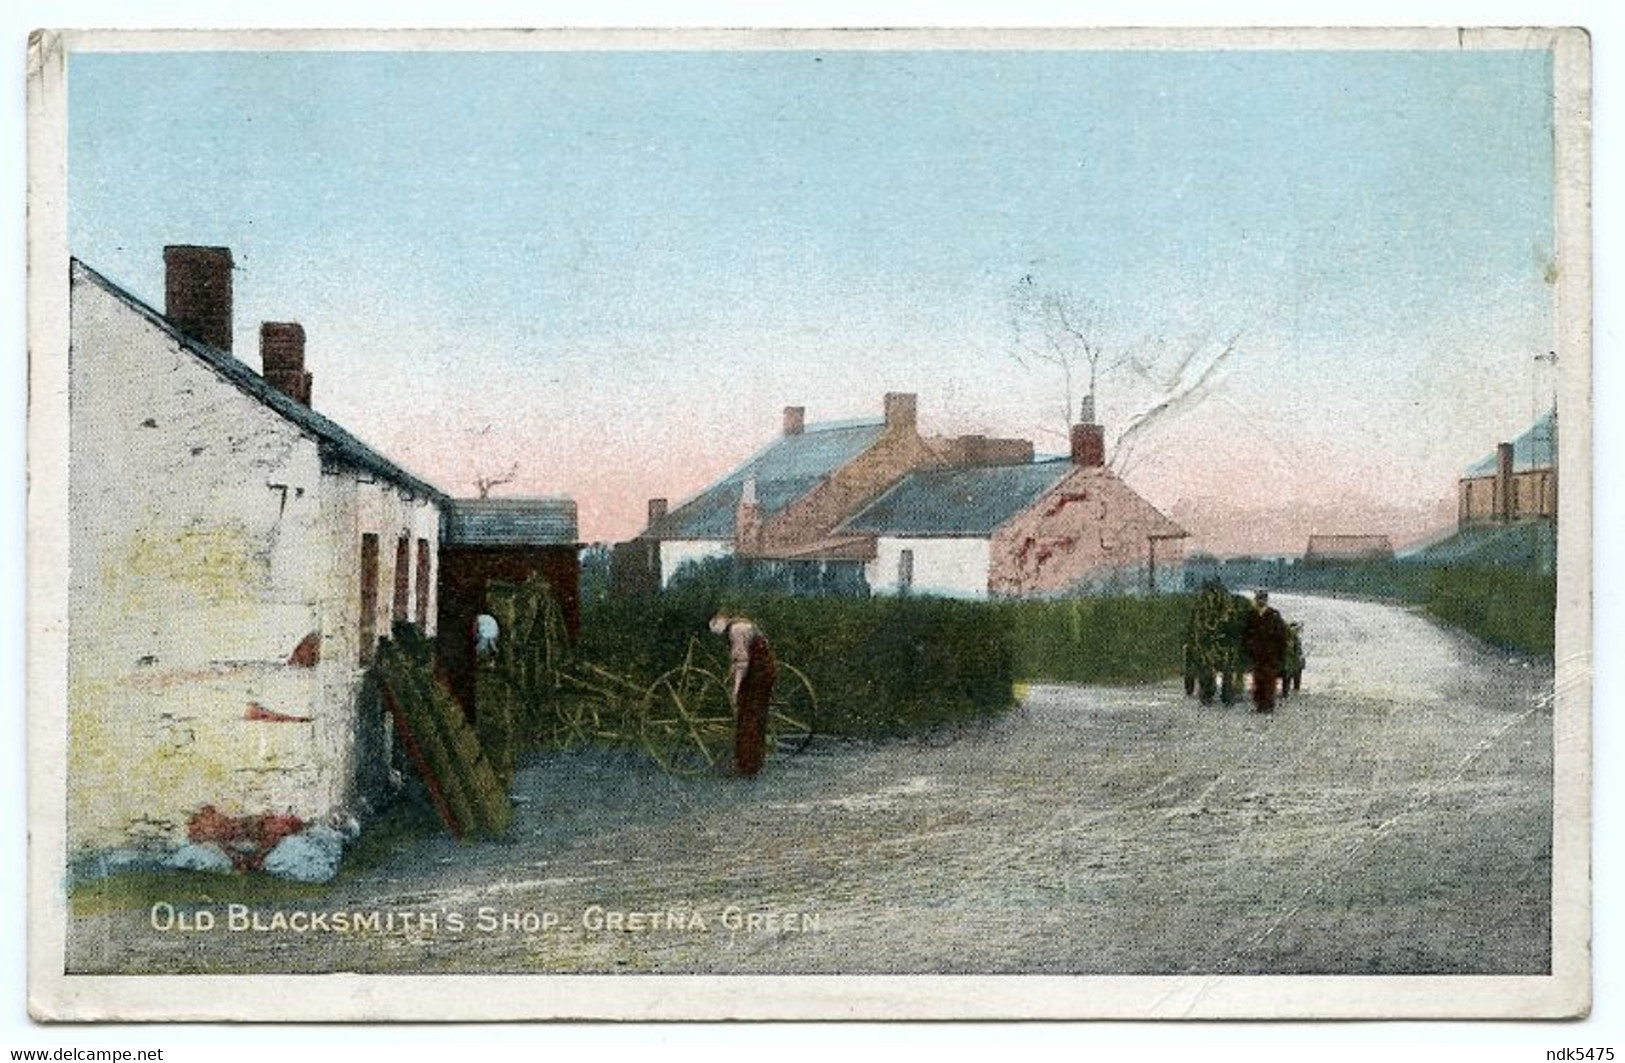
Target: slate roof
[[336, 443], [511, 522], [965, 502], [785, 470], [1532, 450]]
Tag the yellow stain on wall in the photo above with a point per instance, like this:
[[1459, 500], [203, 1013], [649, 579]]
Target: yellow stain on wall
[[93, 752], [218, 564], [142, 755]]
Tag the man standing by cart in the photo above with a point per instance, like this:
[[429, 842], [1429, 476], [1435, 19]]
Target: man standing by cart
[[750, 688], [1265, 642]]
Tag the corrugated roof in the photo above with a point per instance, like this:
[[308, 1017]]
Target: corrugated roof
[[1532, 450], [511, 522], [957, 502], [335, 442], [785, 470], [1349, 546]]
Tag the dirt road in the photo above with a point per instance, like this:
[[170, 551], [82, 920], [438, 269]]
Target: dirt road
[[1394, 817]]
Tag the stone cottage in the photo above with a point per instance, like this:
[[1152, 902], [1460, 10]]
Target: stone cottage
[[235, 557], [1031, 529], [966, 516]]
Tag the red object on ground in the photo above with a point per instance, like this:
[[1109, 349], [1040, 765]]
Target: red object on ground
[[209, 824], [246, 839]]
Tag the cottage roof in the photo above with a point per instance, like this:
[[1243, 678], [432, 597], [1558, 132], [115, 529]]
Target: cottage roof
[[336, 443], [1532, 450], [963, 502], [511, 522], [784, 470]]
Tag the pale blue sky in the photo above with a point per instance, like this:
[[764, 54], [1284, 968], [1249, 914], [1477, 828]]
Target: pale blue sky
[[601, 253]]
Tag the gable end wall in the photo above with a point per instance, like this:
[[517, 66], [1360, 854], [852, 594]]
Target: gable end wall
[[1089, 533], [898, 451]]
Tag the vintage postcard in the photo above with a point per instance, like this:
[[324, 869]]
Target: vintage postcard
[[839, 524]]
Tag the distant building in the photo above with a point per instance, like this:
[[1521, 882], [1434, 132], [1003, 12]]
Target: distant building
[[1066, 526], [235, 557], [1323, 549], [1516, 482], [787, 500], [970, 516]]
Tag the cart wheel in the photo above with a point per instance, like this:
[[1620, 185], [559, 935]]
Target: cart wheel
[[686, 723], [792, 714], [569, 723]]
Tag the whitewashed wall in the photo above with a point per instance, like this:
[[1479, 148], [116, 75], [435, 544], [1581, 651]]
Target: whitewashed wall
[[677, 552], [948, 568], [206, 542], [357, 503]]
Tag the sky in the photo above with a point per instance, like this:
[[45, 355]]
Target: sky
[[613, 269]]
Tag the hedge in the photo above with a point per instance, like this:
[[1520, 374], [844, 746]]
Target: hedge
[[888, 666], [880, 666], [1509, 607], [1098, 640]]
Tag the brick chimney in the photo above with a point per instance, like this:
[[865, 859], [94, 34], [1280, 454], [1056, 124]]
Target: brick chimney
[[1503, 481], [1088, 445], [282, 359], [1088, 438], [900, 410], [197, 292], [657, 511], [795, 420], [748, 521]]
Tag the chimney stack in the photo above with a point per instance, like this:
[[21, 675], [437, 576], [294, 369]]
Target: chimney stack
[[900, 410], [282, 359], [657, 511], [748, 521], [1088, 445], [197, 292], [795, 420], [1503, 481]]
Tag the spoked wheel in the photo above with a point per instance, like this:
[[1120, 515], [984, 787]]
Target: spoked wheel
[[792, 714], [568, 724], [686, 721]]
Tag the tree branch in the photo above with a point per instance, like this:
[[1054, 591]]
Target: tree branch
[[484, 484]]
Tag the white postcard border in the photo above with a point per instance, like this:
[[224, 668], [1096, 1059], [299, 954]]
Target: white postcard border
[[53, 995]]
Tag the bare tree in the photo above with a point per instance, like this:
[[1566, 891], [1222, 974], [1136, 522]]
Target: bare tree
[[1058, 331], [485, 481], [484, 484]]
